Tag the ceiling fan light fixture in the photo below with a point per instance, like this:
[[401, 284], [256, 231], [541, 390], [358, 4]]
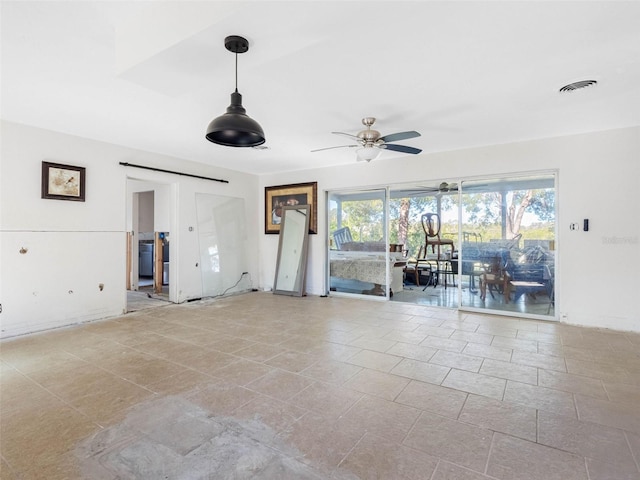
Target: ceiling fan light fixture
[[235, 128], [368, 153]]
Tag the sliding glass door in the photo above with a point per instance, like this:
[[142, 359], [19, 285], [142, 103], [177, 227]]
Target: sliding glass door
[[358, 254], [507, 249], [423, 219], [483, 245]]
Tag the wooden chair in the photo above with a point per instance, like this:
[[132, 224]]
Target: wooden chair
[[431, 227], [495, 276]]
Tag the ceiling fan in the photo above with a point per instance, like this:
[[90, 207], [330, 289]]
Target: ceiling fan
[[370, 144], [444, 187]]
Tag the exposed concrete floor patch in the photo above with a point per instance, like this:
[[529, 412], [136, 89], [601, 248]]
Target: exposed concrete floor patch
[[172, 438]]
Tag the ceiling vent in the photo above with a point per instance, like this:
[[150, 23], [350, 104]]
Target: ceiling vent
[[578, 85]]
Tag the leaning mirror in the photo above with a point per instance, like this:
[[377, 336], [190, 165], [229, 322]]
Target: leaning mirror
[[291, 265]]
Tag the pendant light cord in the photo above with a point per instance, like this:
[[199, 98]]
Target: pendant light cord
[[236, 72]]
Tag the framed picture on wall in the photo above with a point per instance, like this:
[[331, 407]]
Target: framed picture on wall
[[282, 195], [63, 182]]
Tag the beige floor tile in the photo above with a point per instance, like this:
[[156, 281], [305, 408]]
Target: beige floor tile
[[163, 347], [634, 444], [331, 371], [599, 470], [464, 324], [377, 457], [62, 467], [475, 383], [380, 417], [280, 384], [498, 416], [449, 471], [374, 360], [139, 368], [340, 336], [584, 438], [510, 371], [242, 372], [539, 336], [620, 415], [551, 349], [539, 360], [515, 344], [259, 352], [6, 472], [292, 361], [416, 352], [554, 401], [595, 370], [39, 436], [46, 361], [377, 383], [335, 411], [498, 330], [323, 440], [275, 414], [432, 331], [423, 319], [334, 351], [328, 400], [433, 398], [303, 344], [406, 337], [206, 361], [374, 344], [230, 344], [472, 337], [568, 382], [368, 329], [444, 344], [98, 394], [422, 371], [21, 393], [220, 397], [457, 360], [488, 351], [623, 393], [196, 336], [179, 383], [577, 353], [513, 457], [451, 440]]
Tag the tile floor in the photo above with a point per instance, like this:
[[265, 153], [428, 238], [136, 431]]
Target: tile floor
[[273, 387]]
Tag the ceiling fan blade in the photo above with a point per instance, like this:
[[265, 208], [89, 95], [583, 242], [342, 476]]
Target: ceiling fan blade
[[394, 137], [339, 146], [401, 148], [347, 135]]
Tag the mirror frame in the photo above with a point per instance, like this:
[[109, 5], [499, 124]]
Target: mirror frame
[[293, 231]]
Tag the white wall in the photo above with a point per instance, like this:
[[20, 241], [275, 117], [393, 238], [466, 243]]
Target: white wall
[[73, 247], [596, 277]]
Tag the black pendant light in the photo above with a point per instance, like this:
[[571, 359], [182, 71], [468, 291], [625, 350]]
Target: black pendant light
[[235, 128]]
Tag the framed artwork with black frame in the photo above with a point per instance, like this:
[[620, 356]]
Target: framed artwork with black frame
[[280, 196], [63, 182]]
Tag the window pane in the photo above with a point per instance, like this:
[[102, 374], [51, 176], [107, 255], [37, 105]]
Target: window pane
[[508, 244]]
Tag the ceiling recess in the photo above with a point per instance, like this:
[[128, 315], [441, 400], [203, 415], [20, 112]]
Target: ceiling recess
[[578, 85]]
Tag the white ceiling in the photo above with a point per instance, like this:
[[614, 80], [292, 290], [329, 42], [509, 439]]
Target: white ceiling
[[152, 75]]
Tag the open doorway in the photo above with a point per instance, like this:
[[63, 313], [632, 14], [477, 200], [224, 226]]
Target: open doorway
[[148, 245]]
